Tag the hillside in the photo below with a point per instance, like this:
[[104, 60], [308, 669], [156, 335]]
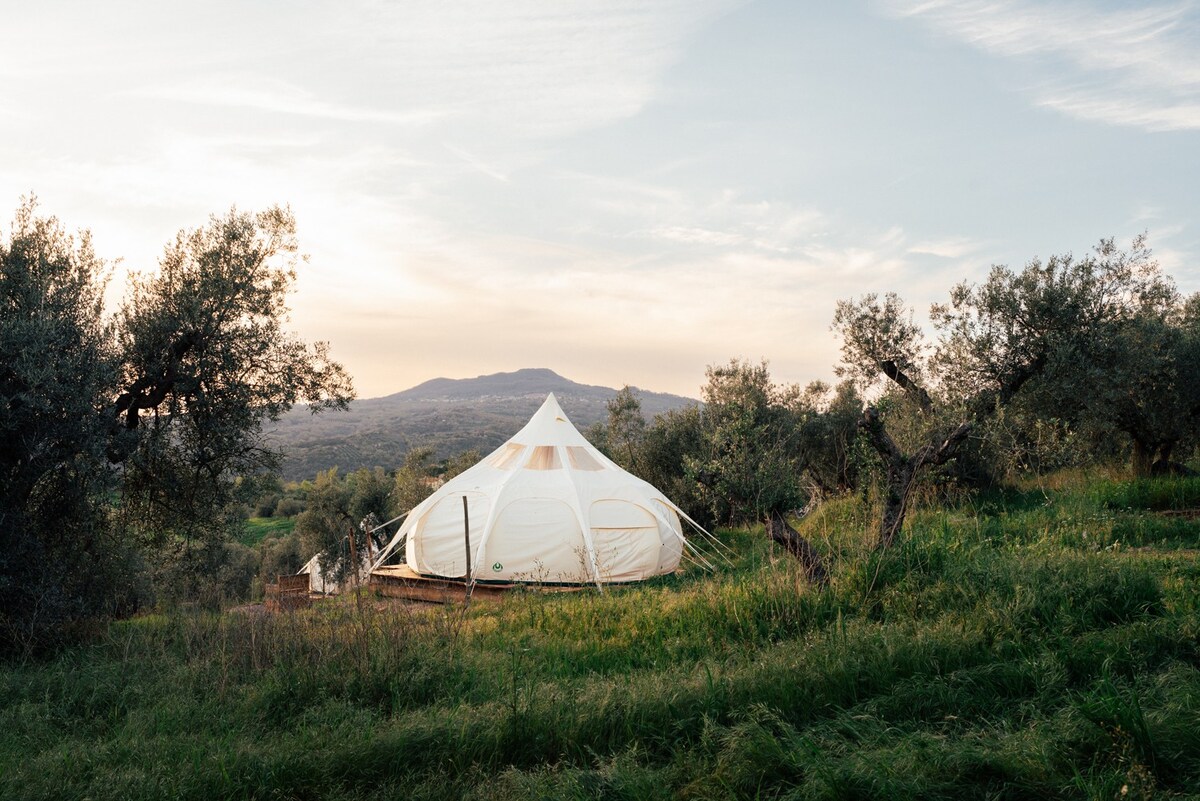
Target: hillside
[[449, 415]]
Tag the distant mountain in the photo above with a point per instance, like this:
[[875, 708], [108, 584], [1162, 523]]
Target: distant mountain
[[450, 415], [530, 381]]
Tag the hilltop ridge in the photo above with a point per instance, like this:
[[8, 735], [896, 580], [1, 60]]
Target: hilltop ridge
[[519, 383], [448, 414]]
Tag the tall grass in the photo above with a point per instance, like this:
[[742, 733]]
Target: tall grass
[[997, 652], [1159, 494]]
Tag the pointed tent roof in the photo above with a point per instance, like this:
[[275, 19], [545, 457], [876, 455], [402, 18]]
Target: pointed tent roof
[[546, 498], [550, 426]]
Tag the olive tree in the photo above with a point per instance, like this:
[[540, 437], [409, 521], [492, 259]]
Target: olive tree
[[626, 428], [1150, 393], [675, 439], [1100, 341], [880, 341], [136, 429], [205, 362], [59, 559], [1051, 332], [336, 510], [413, 481]]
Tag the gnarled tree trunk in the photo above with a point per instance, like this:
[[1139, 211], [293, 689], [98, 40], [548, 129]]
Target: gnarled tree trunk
[[904, 470], [780, 531], [1143, 459], [1154, 459]]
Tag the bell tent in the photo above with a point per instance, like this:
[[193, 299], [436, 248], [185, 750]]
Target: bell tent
[[544, 507], [320, 582]]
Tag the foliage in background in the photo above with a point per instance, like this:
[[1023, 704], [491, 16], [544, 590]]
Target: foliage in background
[[753, 448], [335, 511], [413, 483], [1100, 342]]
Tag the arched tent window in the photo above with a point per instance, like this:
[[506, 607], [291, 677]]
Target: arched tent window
[[582, 460], [506, 459]]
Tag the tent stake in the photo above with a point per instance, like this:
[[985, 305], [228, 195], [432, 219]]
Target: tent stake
[[467, 540]]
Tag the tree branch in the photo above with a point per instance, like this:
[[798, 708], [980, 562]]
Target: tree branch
[[929, 455], [1009, 388], [880, 440], [905, 382], [147, 393]]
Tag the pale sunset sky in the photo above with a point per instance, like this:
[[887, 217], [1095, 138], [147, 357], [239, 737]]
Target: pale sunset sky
[[624, 192]]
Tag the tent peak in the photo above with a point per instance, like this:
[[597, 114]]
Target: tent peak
[[549, 426], [550, 407]]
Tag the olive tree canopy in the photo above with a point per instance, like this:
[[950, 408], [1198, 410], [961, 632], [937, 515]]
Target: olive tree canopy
[[205, 361], [142, 423]]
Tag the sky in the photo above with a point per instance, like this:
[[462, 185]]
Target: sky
[[624, 192]]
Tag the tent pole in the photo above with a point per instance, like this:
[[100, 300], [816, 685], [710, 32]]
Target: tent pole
[[467, 540], [388, 523], [353, 557], [363, 526]]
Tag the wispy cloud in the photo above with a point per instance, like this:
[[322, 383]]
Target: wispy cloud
[[721, 219], [951, 248], [525, 68], [1138, 67], [257, 93], [521, 68], [697, 236], [476, 163]]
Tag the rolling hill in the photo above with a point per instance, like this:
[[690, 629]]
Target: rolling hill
[[449, 415]]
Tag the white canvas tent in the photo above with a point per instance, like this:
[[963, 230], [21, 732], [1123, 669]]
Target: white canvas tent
[[319, 582], [545, 507]]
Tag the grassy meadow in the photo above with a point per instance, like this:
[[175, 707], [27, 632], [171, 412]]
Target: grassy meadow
[[259, 528], [1038, 643]]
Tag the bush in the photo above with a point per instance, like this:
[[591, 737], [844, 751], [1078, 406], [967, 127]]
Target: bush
[[212, 574], [289, 507], [265, 506]]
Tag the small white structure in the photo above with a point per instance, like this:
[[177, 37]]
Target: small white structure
[[544, 507], [319, 582]]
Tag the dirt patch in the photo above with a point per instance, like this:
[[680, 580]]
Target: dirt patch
[[1187, 514]]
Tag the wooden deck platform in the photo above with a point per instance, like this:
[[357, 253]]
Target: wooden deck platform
[[287, 593], [401, 581]]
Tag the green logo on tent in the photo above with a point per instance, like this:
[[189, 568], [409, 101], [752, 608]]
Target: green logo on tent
[[497, 567]]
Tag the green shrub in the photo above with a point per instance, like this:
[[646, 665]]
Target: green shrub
[[289, 507], [265, 506]]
